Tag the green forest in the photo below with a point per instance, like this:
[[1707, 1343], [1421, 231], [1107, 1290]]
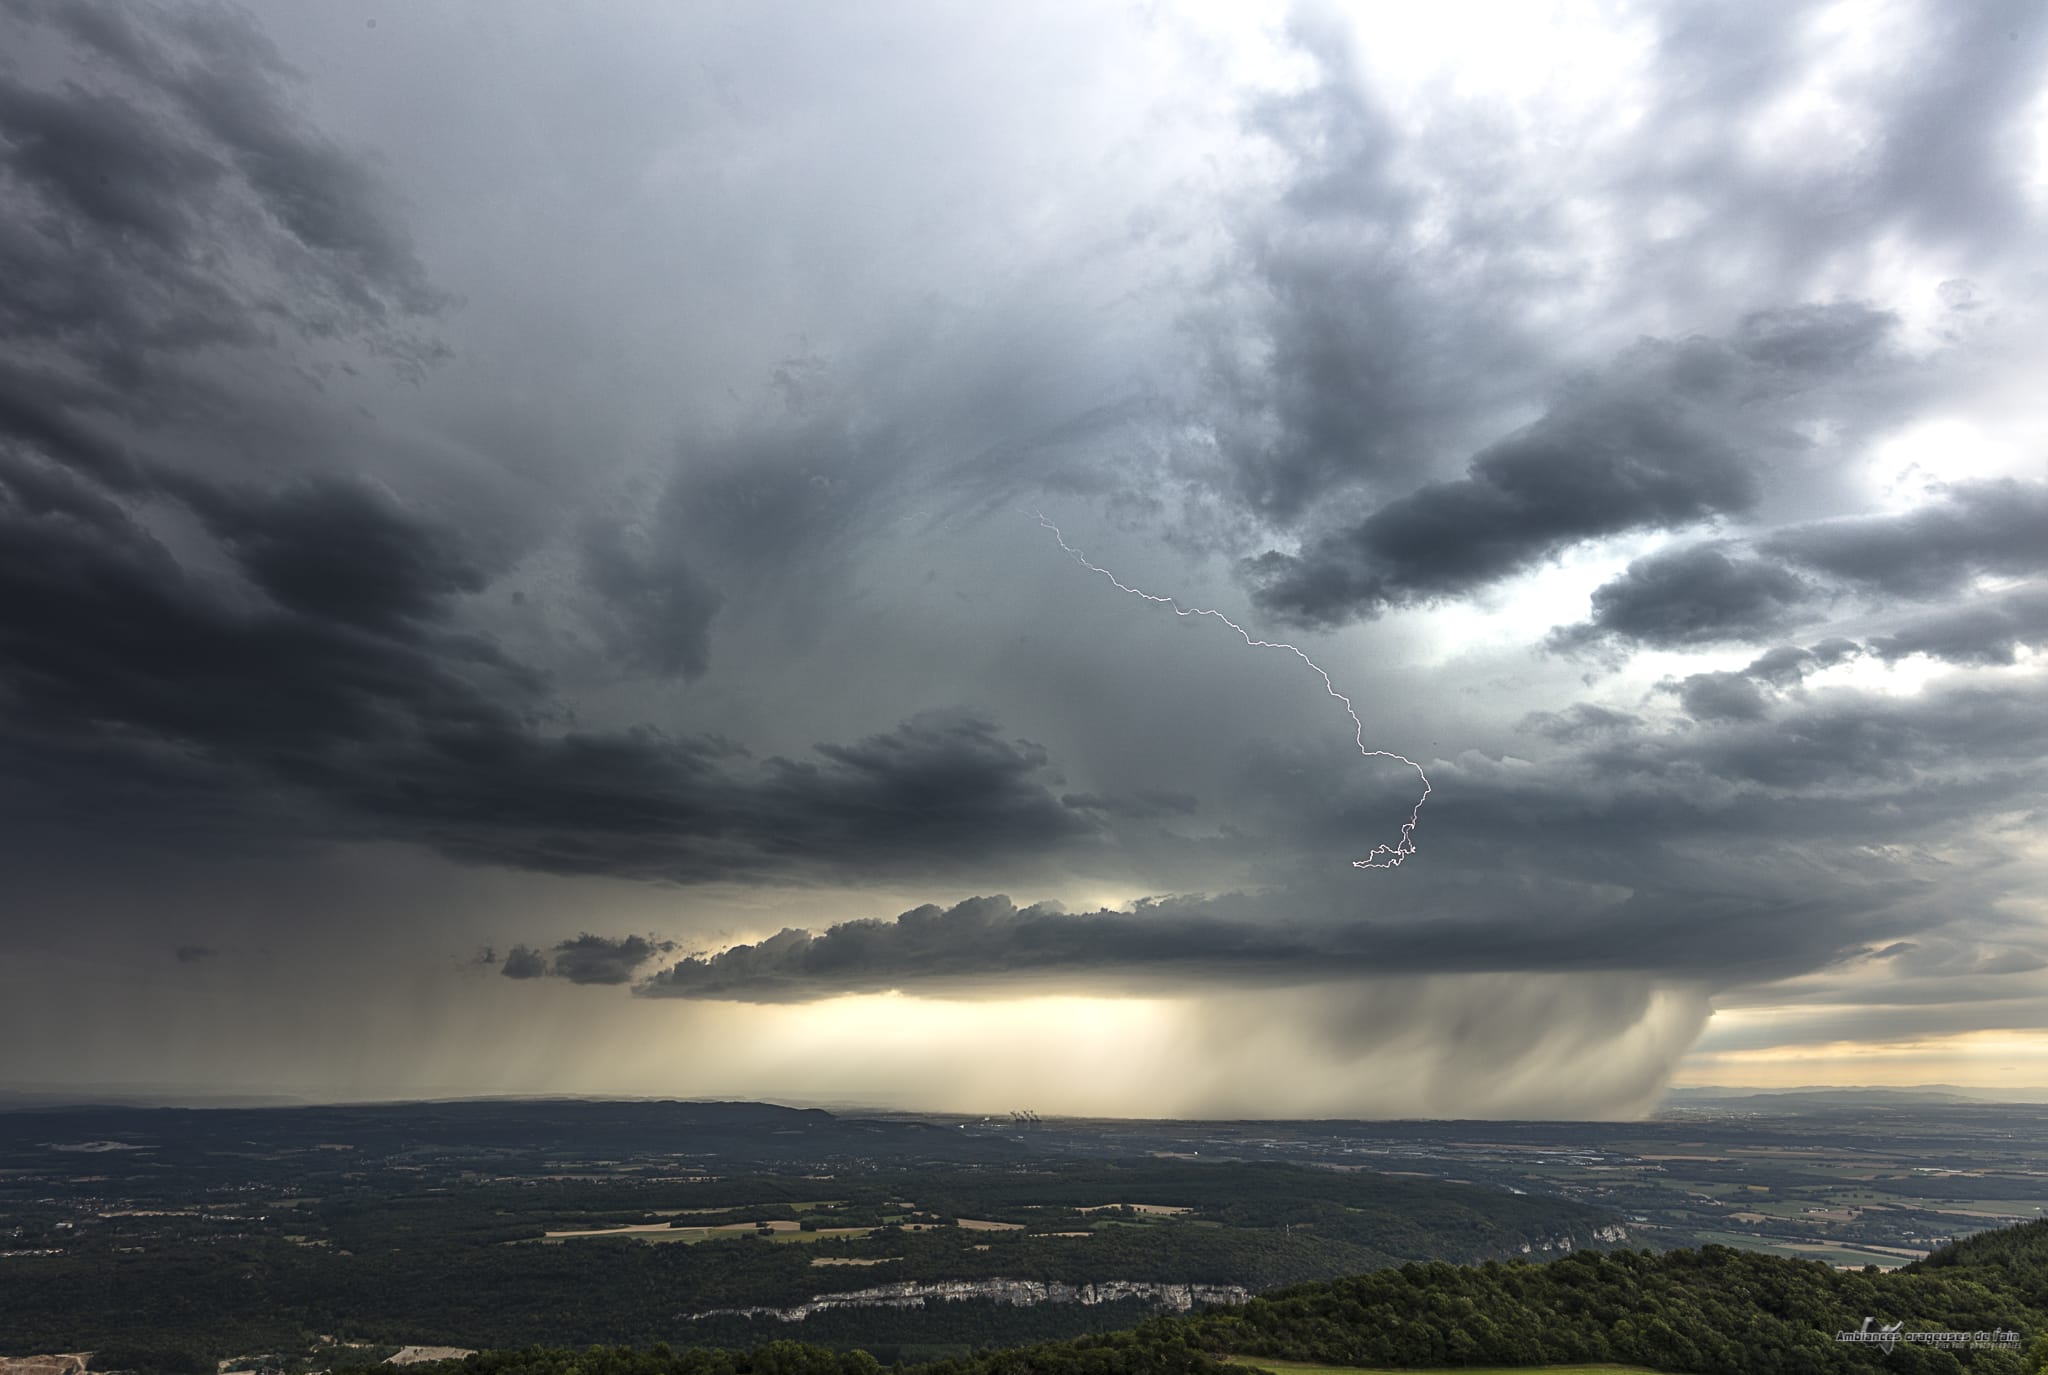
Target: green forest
[[1712, 1311]]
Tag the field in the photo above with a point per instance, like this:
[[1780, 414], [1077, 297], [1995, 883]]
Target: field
[[1827, 1252]]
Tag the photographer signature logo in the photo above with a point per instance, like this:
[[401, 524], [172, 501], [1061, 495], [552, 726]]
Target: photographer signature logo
[[1888, 1335]]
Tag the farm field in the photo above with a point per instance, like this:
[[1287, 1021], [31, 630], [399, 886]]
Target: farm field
[[1831, 1253]]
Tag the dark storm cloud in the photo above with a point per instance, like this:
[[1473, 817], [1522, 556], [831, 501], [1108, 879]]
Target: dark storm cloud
[[1722, 696], [105, 160], [1767, 807], [1384, 315], [1741, 846], [585, 959], [659, 606], [524, 962], [349, 680], [1971, 528], [1813, 341], [1789, 665], [1768, 834], [1363, 361], [990, 945], [193, 954], [337, 550], [1948, 741], [1989, 631], [1721, 591], [181, 652], [323, 195], [368, 699], [978, 940], [167, 198], [159, 622], [1666, 438], [789, 482], [1694, 595], [942, 788], [589, 959]]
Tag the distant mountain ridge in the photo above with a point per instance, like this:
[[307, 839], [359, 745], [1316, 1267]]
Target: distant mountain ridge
[[730, 1131], [1825, 1096]]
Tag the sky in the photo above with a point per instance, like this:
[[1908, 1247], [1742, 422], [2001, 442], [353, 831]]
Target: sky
[[585, 551]]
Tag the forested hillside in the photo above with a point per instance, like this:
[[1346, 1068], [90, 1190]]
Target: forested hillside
[[1713, 1311]]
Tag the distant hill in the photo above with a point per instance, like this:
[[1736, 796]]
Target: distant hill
[[1822, 1097], [2013, 1258], [748, 1133]]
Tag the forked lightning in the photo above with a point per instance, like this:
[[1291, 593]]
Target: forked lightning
[[1382, 856]]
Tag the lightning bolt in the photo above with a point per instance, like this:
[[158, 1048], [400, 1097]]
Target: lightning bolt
[[1382, 856]]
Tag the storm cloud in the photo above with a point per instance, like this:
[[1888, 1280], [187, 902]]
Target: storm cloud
[[1666, 438], [1989, 631], [524, 962], [495, 479], [585, 959], [1970, 529], [1721, 592], [1693, 595], [989, 946], [312, 634], [362, 694]]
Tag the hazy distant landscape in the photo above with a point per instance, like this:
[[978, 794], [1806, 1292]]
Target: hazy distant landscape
[[311, 1233]]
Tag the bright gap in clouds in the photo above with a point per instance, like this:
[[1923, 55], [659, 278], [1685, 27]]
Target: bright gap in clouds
[[1970, 1059], [2033, 169], [1902, 467], [1573, 58], [1521, 610]]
